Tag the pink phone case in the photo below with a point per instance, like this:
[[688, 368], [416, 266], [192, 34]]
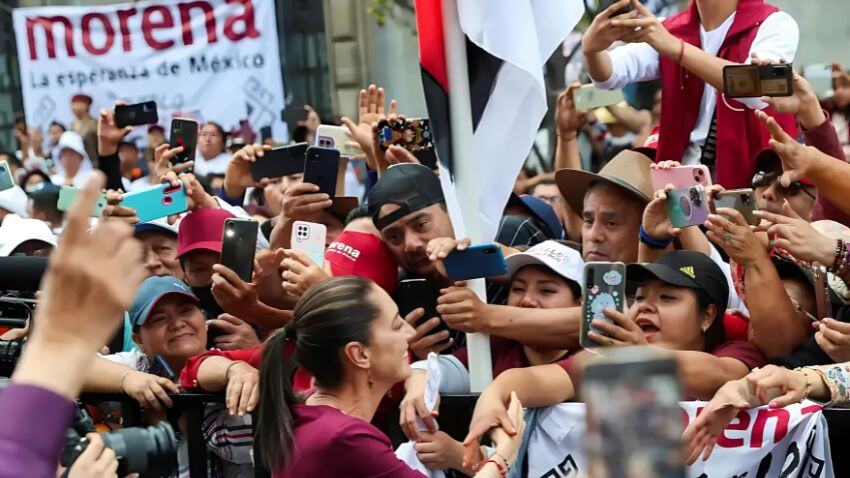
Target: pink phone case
[[681, 177]]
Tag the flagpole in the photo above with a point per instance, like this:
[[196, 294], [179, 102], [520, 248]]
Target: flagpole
[[466, 187]]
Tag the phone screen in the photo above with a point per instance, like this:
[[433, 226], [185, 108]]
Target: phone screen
[[604, 288], [238, 246], [634, 422]]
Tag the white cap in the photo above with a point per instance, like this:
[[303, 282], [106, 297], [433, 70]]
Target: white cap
[[14, 200], [157, 225], [562, 260], [73, 141], [16, 230]]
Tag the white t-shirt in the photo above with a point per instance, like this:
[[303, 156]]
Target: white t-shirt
[[217, 165], [777, 38]]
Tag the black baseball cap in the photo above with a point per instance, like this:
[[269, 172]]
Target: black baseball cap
[[788, 268], [410, 186], [690, 269]]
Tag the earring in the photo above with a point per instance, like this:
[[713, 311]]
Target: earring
[[704, 328], [369, 377]]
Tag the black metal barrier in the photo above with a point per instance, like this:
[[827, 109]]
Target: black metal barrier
[[455, 415], [190, 405]]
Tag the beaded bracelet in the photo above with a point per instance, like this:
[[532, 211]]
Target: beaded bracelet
[[841, 262]]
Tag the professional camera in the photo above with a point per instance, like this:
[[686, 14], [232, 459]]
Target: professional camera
[[20, 277], [148, 451]]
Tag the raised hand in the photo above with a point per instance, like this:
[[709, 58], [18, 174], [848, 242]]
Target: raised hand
[[729, 230], [602, 32], [797, 236], [425, 341], [163, 155], [568, 120], [371, 110], [795, 157], [109, 135], [300, 273]]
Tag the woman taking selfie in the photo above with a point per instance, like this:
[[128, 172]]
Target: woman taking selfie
[[348, 334], [679, 304], [546, 276]]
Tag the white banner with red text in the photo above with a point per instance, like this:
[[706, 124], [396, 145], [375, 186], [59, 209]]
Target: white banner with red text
[[211, 60], [760, 443]]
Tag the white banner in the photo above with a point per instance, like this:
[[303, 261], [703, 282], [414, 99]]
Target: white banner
[[761, 443], [212, 60]]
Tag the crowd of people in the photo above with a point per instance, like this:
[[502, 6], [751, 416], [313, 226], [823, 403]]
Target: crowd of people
[[327, 364]]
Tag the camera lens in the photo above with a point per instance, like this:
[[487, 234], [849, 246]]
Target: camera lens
[[151, 451], [685, 207]]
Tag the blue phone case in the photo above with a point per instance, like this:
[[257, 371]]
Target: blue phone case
[[480, 260], [158, 201]]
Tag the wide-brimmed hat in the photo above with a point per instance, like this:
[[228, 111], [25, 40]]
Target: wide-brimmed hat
[[629, 171]]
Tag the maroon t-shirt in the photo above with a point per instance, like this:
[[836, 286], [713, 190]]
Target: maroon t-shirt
[[328, 442], [505, 354], [743, 351]]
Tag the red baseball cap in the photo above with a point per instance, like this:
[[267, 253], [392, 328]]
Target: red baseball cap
[[365, 255], [201, 229], [81, 98], [650, 146]]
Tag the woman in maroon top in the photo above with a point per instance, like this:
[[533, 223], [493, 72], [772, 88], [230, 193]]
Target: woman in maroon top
[[679, 303], [349, 336]]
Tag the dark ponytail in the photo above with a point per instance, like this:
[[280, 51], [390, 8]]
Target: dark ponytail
[[330, 315]]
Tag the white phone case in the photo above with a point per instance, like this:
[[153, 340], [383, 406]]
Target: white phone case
[[309, 238], [336, 137]]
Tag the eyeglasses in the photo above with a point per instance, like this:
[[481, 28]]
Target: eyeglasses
[[763, 179]]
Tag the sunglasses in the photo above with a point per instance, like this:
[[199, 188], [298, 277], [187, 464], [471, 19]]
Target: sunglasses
[[763, 179]]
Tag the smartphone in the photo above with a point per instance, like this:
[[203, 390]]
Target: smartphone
[[238, 245], [680, 177], [136, 115], [336, 137], [754, 81], [589, 97], [309, 238], [475, 262], [279, 162], [184, 132], [294, 115], [413, 134], [687, 206], [158, 201], [321, 167], [604, 287], [605, 4], [6, 181], [819, 278], [66, 198], [634, 422], [820, 78], [416, 293], [741, 200]]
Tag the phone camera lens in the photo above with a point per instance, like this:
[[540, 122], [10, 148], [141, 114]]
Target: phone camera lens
[[685, 207]]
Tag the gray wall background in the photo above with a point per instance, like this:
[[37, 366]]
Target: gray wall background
[[824, 29]]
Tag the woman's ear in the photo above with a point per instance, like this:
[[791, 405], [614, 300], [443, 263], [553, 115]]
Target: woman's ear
[[708, 316], [357, 355], [137, 337]]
